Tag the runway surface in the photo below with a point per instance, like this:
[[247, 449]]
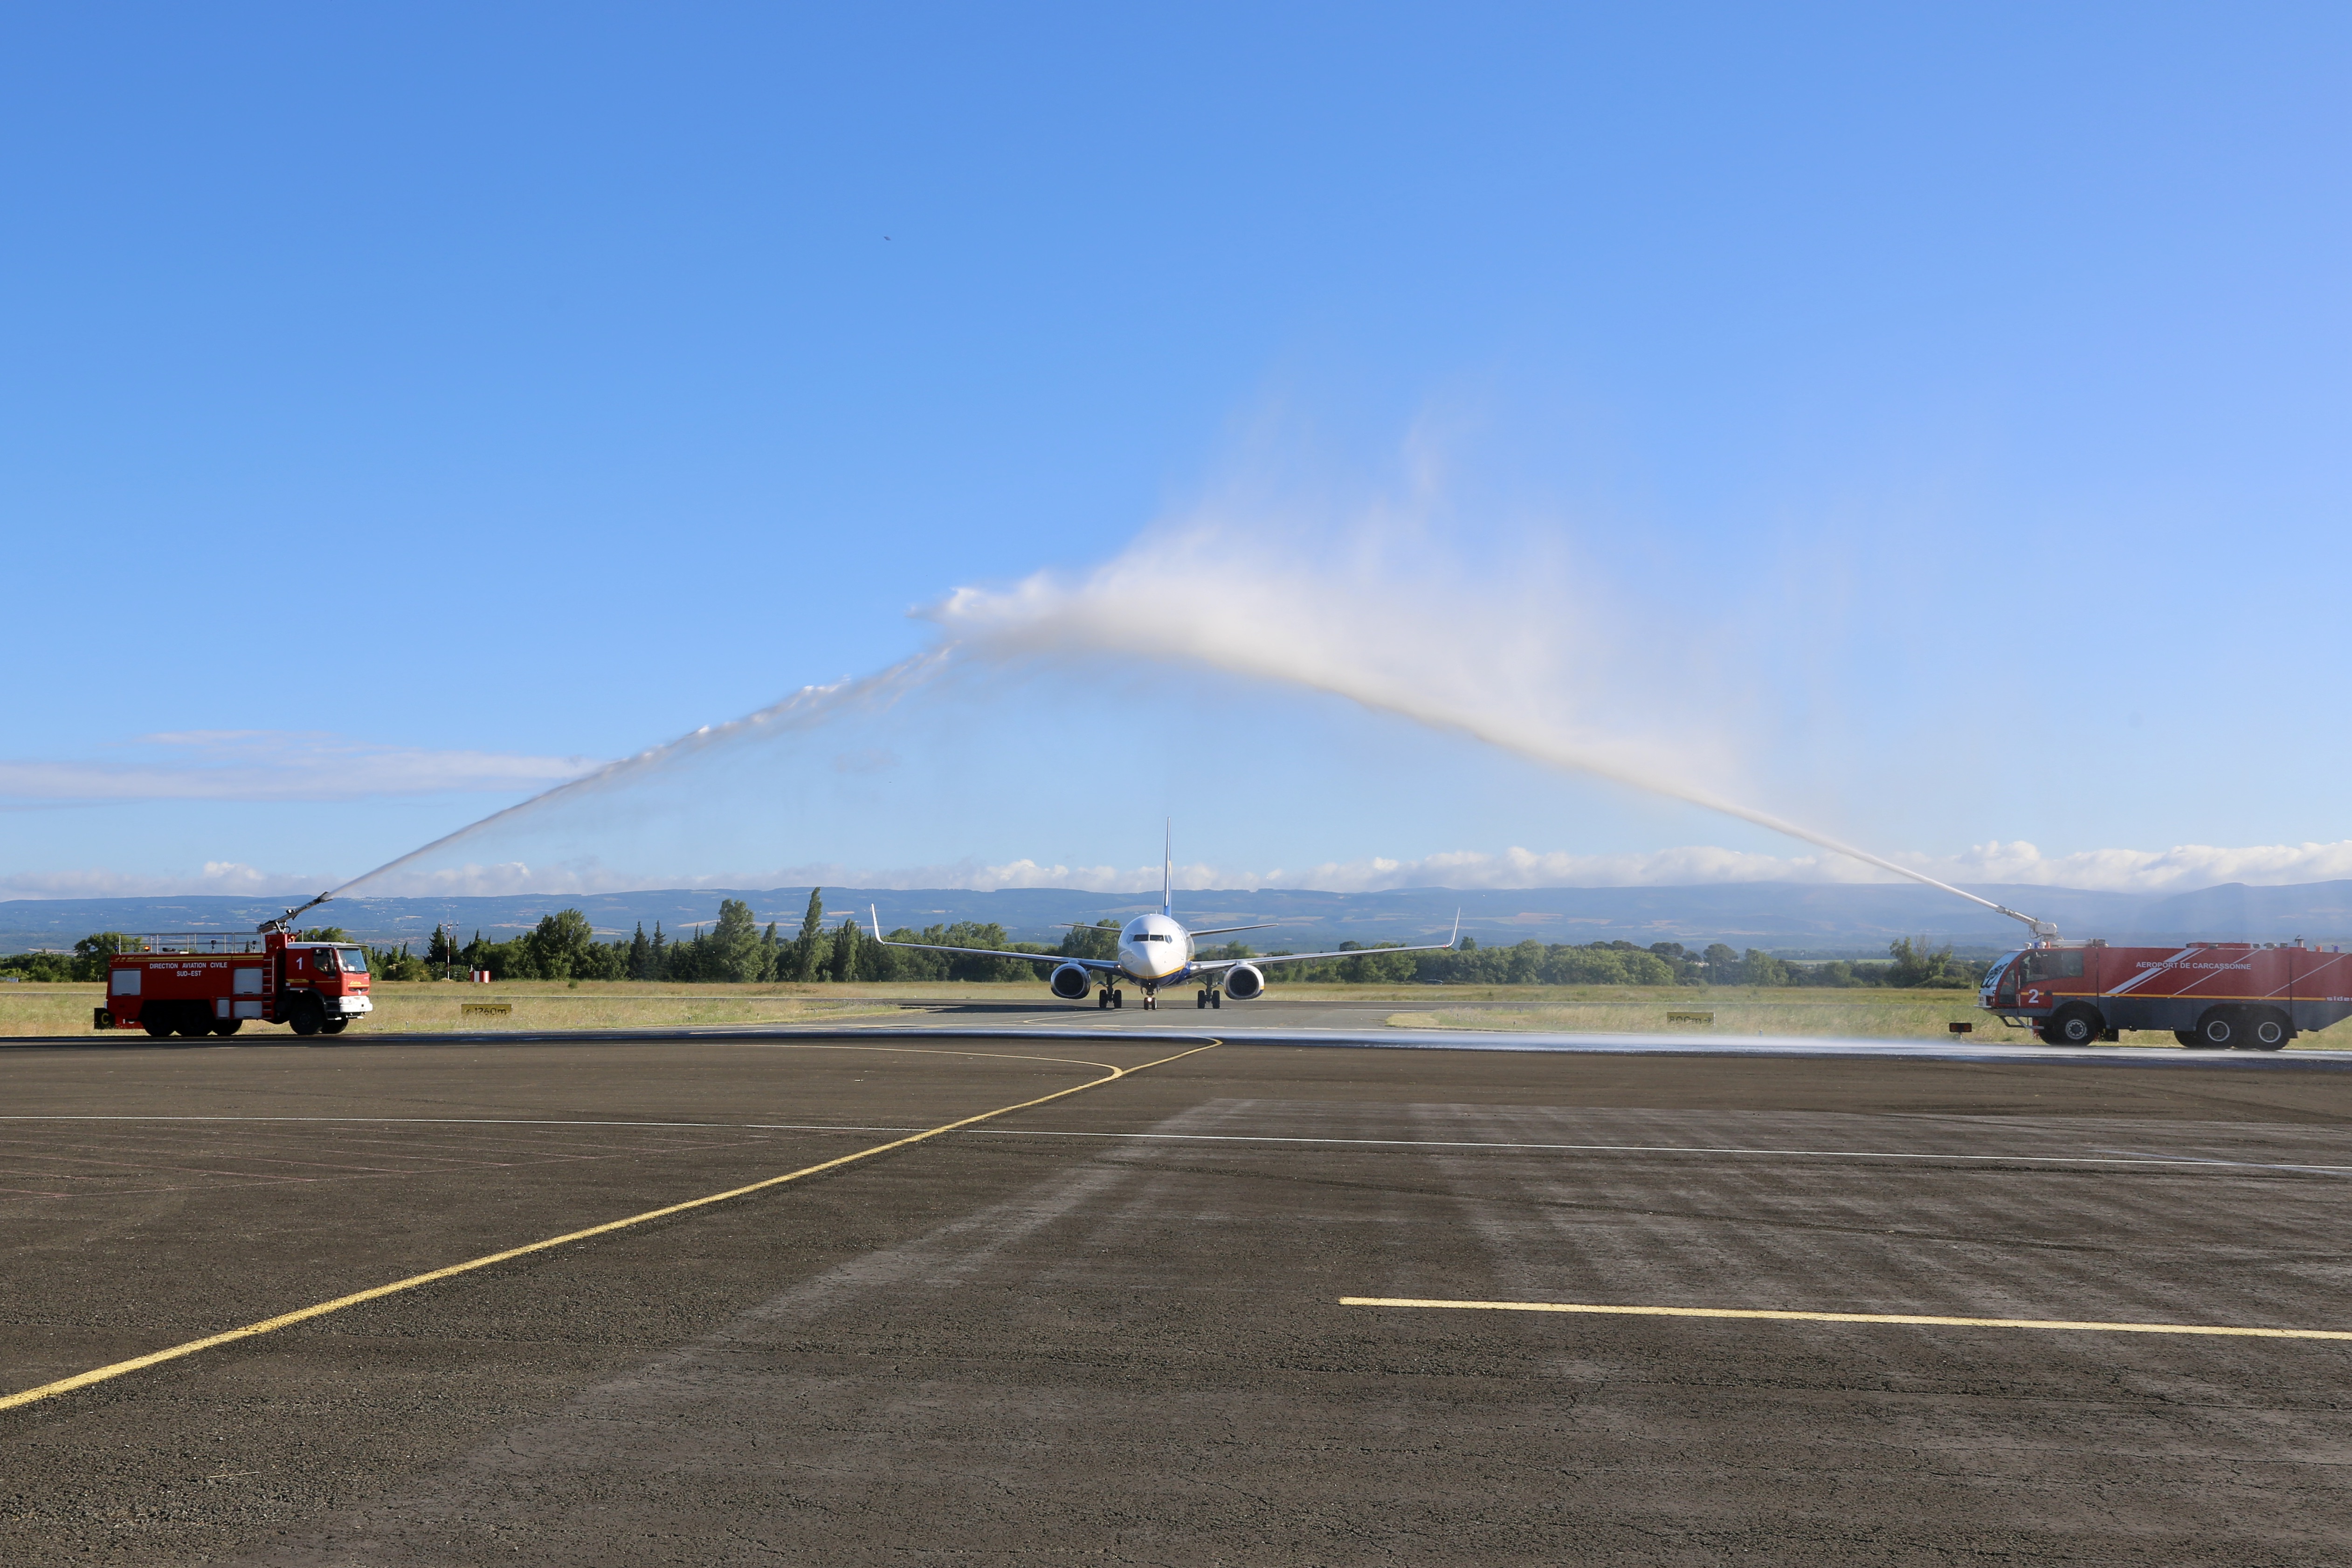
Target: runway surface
[[1113, 1326], [1342, 1021]]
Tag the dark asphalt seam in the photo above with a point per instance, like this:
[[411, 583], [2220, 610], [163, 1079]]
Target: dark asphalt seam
[[1539, 1204], [1770, 1048], [2105, 1157]]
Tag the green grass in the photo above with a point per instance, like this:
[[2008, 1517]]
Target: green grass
[[435, 1007], [1862, 1013]]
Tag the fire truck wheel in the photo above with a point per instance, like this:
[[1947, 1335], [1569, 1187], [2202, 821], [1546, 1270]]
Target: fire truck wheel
[[336, 1026], [156, 1021], [228, 1025], [307, 1018], [2218, 1030], [196, 1021], [2075, 1026], [2266, 1031]]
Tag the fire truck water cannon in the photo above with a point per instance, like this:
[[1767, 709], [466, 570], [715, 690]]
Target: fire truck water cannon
[[285, 923], [2044, 930]]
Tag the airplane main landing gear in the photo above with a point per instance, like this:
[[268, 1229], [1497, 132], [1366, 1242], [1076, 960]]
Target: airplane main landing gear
[[1102, 997], [1211, 997]]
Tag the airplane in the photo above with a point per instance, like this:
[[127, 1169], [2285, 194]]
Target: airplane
[[1156, 951]]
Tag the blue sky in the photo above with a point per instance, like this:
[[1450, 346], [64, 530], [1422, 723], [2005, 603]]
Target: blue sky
[[1932, 418]]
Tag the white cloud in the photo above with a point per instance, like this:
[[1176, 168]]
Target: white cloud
[[2178, 870], [276, 765], [218, 876]]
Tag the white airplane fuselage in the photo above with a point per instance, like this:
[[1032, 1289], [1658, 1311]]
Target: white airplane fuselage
[[1154, 950]]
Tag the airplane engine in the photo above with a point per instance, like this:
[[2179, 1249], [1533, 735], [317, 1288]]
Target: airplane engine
[[1071, 982], [1243, 981]]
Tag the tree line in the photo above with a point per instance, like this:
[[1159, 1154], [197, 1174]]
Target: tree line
[[736, 947], [86, 962], [1911, 964]]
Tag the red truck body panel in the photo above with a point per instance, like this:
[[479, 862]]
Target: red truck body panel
[[2179, 988]]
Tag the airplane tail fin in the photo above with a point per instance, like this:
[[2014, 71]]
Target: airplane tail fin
[[1168, 871]]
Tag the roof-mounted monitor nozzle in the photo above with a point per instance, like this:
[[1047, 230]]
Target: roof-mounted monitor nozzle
[[285, 920], [2044, 930]]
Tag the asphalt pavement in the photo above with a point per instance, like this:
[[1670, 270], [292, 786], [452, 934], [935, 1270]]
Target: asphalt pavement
[[1117, 1325]]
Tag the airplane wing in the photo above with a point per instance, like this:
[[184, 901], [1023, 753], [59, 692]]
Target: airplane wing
[[1211, 930], [1221, 964], [1055, 958]]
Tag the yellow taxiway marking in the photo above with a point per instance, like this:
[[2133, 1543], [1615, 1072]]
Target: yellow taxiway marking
[[1851, 1317], [286, 1320]]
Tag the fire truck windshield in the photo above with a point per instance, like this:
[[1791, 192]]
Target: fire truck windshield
[[353, 961], [2065, 963]]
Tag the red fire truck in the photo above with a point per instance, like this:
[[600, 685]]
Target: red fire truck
[[206, 984], [2219, 995], [2222, 995]]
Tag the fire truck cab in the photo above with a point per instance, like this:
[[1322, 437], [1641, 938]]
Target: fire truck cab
[[2217, 995], [206, 984]]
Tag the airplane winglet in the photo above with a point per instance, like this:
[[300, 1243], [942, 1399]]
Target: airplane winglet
[[875, 915], [1455, 940]]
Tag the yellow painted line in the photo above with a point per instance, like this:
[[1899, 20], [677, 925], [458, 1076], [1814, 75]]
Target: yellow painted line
[[1851, 1317], [286, 1320]]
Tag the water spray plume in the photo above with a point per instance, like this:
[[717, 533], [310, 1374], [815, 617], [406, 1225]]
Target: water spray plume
[[1232, 600], [804, 708], [1185, 601]]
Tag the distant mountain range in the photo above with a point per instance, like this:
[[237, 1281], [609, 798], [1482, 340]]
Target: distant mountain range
[[1808, 919]]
